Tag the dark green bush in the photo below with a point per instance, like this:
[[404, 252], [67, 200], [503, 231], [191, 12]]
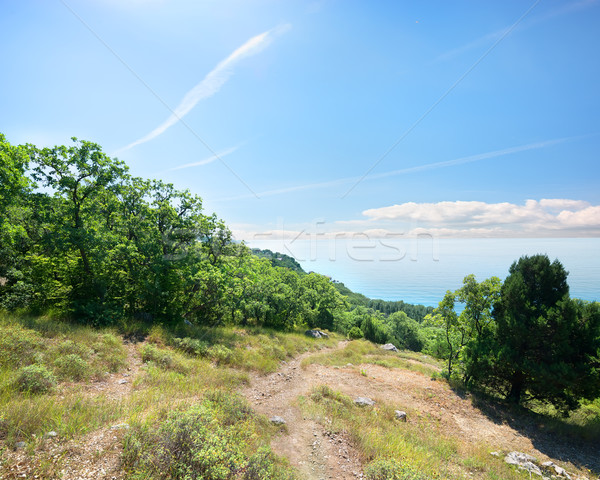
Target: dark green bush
[[355, 333]]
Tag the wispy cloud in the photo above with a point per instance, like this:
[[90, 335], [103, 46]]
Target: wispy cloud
[[205, 161], [418, 168], [212, 82], [472, 158]]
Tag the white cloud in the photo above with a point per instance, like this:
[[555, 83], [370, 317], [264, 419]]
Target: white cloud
[[588, 217], [212, 82], [459, 219]]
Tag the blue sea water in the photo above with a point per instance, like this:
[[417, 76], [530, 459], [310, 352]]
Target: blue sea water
[[420, 270]]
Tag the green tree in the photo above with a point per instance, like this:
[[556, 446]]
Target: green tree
[[406, 330], [546, 345], [476, 321], [456, 337]]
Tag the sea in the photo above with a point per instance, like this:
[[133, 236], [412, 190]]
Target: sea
[[420, 270]]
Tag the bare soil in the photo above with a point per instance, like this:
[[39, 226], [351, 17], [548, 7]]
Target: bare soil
[[312, 450]]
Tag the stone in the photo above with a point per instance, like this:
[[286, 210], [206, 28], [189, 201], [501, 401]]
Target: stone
[[123, 381], [561, 472], [364, 402], [400, 415], [276, 420], [120, 426], [316, 334], [20, 445], [51, 434], [390, 347], [523, 461]]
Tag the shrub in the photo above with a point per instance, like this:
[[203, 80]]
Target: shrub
[[35, 379], [163, 358], [209, 441], [355, 333], [18, 345], [220, 354], [191, 346], [72, 366], [110, 352], [67, 347], [391, 469], [261, 466]]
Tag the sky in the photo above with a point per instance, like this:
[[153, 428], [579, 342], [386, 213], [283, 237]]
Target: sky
[[457, 119]]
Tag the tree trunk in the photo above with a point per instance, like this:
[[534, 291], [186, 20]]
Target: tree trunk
[[516, 387]]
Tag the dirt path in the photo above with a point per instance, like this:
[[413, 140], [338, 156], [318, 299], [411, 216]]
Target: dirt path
[[314, 451], [317, 455]]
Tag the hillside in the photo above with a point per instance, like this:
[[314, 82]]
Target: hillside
[[110, 412]]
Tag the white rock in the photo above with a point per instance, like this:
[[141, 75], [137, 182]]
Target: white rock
[[276, 420], [400, 415], [389, 346], [364, 402]]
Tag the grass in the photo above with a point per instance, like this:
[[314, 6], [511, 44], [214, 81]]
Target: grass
[[251, 349], [416, 450], [360, 352], [182, 368], [183, 403]]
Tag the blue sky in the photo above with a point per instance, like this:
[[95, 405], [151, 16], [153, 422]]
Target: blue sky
[[461, 119]]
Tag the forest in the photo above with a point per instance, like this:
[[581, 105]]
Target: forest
[[83, 240]]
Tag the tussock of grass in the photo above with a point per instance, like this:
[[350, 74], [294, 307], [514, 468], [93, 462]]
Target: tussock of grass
[[419, 449]]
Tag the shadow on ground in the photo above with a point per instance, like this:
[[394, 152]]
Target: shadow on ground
[[551, 436]]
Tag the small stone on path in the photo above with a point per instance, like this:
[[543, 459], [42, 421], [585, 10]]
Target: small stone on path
[[276, 420]]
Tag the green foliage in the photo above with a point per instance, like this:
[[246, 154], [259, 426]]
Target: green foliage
[[35, 379], [376, 330], [71, 366], [279, 259], [220, 354], [164, 358], [109, 352], [407, 331], [355, 333], [544, 346], [215, 440], [18, 345], [391, 469], [191, 346]]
